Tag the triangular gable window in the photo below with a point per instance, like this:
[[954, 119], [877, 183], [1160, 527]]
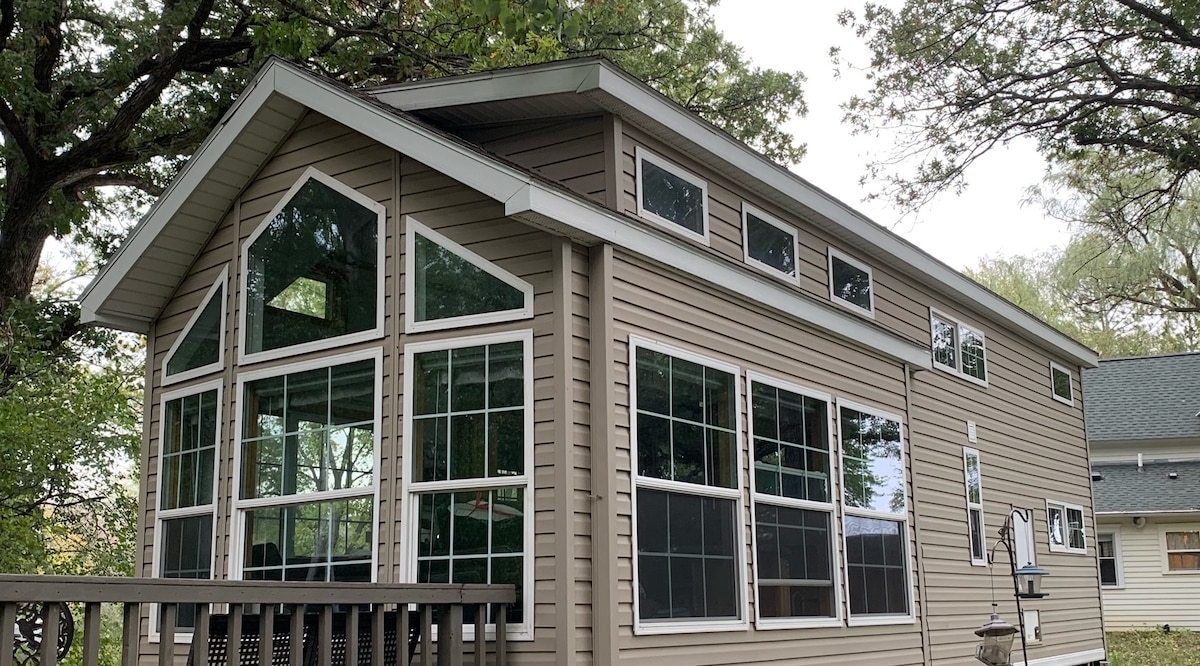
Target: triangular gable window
[[200, 345], [449, 285]]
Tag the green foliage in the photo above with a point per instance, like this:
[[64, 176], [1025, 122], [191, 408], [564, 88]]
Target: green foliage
[[1153, 648]]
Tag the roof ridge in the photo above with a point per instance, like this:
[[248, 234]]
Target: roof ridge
[[1150, 356]]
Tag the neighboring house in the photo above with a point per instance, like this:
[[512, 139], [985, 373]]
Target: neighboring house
[[543, 326], [1143, 424]]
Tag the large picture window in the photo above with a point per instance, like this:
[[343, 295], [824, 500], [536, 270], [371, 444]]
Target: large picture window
[[469, 440], [875, 507], [306, 481], [687, 490], [793, 505]]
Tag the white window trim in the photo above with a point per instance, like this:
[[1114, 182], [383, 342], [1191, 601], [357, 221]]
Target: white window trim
[[736, 494], [409, 489], [1054, 367], [412, 227], [643, 155], [765, 623], [1115, 536], [240, 506], [222, 286], [975, 561], [906, 530], [354, 195], [160, 515], [835, 253], [1162, 542], [1065, 548], [747, 210], [959, 325]]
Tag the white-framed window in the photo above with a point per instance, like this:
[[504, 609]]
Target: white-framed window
[[468, 443], [1024, 543], [189, 436], [850, 283], [687, 497], [769, 244], [1108, 545], [793, 505], [958, 348], [312, 272], [1181, 550], [449, 286], [1065, 525], [200, 347], [306, 488], [875, 515], [671, 196], [1060, 384], [976, 535]]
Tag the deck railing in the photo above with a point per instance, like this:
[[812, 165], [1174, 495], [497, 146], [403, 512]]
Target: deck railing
[[310, 625]]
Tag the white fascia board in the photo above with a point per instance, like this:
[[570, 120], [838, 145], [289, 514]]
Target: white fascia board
[[613, 229], [490, 86]]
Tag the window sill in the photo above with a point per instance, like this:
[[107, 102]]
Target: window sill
[[772, 624], [1192, 572], [961, 375], [1062, 550], [853, 307], [879, 620], [693, 627], [1065, 401]]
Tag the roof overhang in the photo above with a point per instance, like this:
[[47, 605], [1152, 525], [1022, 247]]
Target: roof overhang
[[281, 93], [595, 84]]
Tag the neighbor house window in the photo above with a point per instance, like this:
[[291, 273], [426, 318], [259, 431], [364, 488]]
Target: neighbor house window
[[1065, 522], [306, 485], [671, 196], [186, 488], [769, 244], [449, 285], [958, 348], [314, 270], [875, 509], [793, 503], [1110, 560], [687, 490], [850, 283], [201, 344], [974, 483], [469, 440], [1060, 383], [1183, 550]]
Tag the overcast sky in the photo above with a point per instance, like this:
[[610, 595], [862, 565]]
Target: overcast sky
[[987, 219]]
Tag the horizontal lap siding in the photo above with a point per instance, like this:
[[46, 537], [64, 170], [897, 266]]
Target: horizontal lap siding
[[1150, 598], [656, 303]]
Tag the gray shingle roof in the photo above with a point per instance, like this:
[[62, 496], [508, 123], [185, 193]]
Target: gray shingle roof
[[1125, 489], [1149, 397]]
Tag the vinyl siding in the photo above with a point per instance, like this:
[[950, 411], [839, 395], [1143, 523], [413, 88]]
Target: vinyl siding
[[1150, 598]]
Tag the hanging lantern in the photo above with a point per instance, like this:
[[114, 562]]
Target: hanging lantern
[[1029, 581], [996, 648]]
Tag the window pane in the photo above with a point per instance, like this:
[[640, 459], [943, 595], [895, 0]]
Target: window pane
[[447, 285], [794, 562], [976, 534], [797, 463], [943, 344], [186, 553], [189, 441], [873, 462], [317, 541], [1062, 383], [688, 569], [1183, 540], [1057, 528], [671, 197], [768, 244], [851, 283], [1108, 571], [202, 344], [1075, 527], [876, 563], [311, 273], [1183, 561], [973, 363]]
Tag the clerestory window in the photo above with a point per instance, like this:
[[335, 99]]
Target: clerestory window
[[958, 348], [850, 283], [769, 244], [200, 346], [671, 196]]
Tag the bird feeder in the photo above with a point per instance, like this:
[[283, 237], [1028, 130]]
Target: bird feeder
[[996, 648]]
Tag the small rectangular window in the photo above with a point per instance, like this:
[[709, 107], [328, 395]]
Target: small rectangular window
[[1110, 560], [671, 196], [768, 243], [958, 348], [850, 283], [1183, 550], [974, 486], [1060, 383], [1065, 524]]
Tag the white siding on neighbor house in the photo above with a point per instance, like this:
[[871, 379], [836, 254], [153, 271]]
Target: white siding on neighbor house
[[1150, 598]]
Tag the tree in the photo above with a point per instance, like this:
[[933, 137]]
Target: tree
[[102, 102]]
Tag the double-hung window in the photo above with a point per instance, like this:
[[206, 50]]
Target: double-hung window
[[187, 487], [1065, 522], [687, 491], [974, 483], [469, 445], [307, 470], [1060, 384], [875, 514], [793, 505], [671, 196], [769, 244], [1109, 545], [958, 348]]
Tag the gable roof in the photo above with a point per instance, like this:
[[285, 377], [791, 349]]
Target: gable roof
[[138, 281], [1124, 488], [1143, 398]]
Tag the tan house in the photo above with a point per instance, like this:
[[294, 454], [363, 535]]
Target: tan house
[[542, 326]]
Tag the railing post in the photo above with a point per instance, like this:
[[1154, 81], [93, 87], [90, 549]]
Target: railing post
[[266, 634], [426, 633], [377, 630], [501, 634], [296, 644], [130, 633], [403, 629], [91, 634], [50, 627], [480, 634], [166, 634], [233, 642], [352, 637], [325, 636], [450, 638], [200, 636], [8, 625]]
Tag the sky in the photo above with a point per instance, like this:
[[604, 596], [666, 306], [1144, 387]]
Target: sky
[[987, 219]]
